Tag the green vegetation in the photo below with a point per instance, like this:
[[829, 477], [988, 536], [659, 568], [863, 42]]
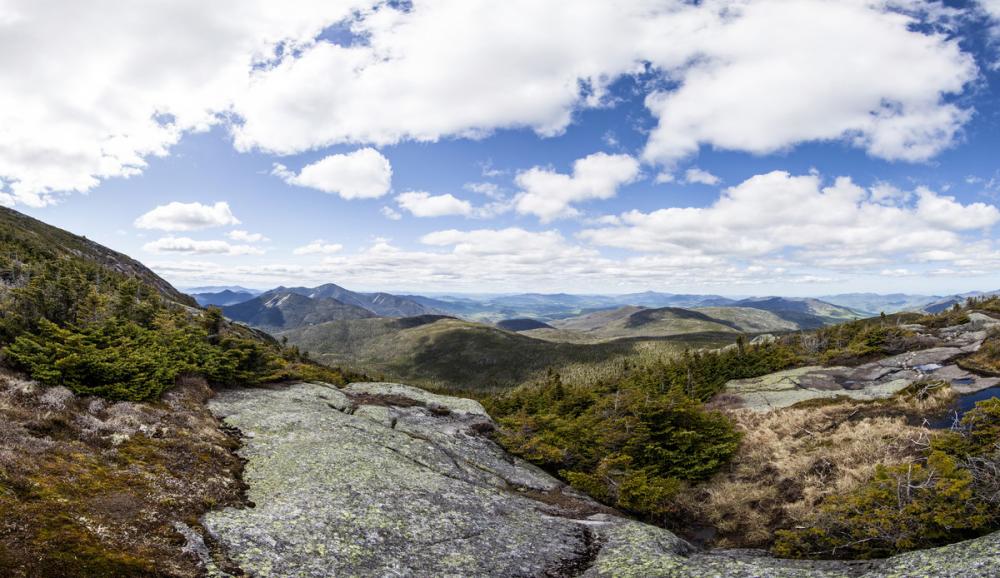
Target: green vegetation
[[855, 477], [450, 354], [634, 441], [75, 314], [987, 359], [93, 488], [853, 342], [950, 493]]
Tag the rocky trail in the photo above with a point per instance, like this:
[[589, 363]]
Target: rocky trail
[[387, 480]]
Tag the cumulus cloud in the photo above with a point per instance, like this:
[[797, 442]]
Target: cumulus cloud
[[318, 247], [188, 246], [246, 236], [91, 90], [362, 174], [773, 73], [423, 204], [177, 216], [732, 243], [780, 215], [700, 176], [948, 213], [512, 258], [749, 75], [430, 70], [550, 195]]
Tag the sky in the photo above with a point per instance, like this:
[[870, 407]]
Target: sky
[[736, 147]]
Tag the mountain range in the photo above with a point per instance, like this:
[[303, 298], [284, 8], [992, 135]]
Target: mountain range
[[291, 307], [548, 307], [312, 305]]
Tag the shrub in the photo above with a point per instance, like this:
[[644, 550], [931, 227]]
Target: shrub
[[926, 503], [632, 443], [116, 361]]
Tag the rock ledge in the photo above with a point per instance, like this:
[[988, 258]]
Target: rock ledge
[[387, 480]]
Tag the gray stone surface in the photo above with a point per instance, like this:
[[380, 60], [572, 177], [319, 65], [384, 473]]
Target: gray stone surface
[[879, 379], [378, 480]]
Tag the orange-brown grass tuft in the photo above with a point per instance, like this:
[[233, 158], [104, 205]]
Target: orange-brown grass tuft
[[792, 458]]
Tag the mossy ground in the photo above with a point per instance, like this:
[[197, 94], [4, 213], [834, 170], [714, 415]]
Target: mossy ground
[[89, 488]]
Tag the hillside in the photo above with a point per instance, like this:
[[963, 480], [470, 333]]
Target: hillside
[[27, 242], [750, 319], [222, 298], [381, 304], [639, 322], [547, 307], [806, 313], [108, 452], [278, 310], [519, 325], [874, 303], [450, 353], [79, 315]]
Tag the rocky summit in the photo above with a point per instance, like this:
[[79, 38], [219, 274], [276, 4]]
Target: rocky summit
[[381, 479], [878, 379]]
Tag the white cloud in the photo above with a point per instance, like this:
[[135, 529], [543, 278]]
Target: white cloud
[[883, 192], [423, 204], [902, 272], [246, 236], [511, 258], [664, 177], [840, 225], [750, 75], [491, 190], [91, 90], [318, 247], [948, 213], [487, 169], [177, 216], [188, 246], [390, 213], [523, 260], [773, 73], [550, 195], [700, 176], [362, 174], [513, 242], [431, 70], [991, 8]]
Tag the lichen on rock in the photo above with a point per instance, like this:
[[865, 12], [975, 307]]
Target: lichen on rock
[[404, 488]]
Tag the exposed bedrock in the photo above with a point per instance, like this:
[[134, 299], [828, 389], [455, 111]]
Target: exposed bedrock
[[388, 480]]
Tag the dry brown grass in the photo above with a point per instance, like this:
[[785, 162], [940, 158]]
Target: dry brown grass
[[791, 459]]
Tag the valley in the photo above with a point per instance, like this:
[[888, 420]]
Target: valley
[[448, 344]]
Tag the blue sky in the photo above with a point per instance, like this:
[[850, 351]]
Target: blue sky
[[801, 147]]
